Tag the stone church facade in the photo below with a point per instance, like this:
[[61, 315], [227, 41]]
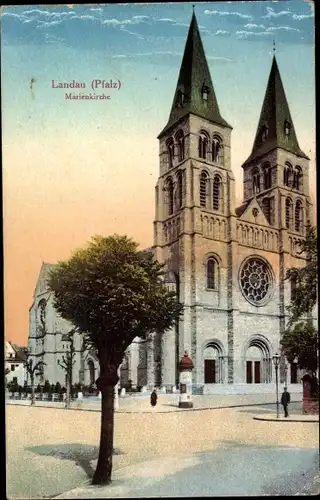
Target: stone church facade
[[226, 263]]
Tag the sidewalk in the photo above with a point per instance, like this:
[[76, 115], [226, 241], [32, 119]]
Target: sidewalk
[[166, 403], [291, 418]]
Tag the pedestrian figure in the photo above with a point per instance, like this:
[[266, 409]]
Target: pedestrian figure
[[285, 400], [153, 398]]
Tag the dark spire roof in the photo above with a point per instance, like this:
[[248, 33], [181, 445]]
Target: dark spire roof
[[194, 75], [274, 115]]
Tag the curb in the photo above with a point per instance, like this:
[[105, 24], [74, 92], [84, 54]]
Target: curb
[[161, 412], [290, 419]]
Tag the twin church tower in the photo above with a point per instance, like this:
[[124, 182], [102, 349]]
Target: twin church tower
[[227, 263]]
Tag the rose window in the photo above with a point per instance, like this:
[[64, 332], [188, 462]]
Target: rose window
[[255, 281]]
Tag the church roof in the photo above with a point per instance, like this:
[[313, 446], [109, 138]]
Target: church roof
[[274, 115], [193, 77], [239, 210]]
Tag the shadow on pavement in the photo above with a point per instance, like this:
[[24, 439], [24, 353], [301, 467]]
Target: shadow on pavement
[[81, 454], [234, 469]]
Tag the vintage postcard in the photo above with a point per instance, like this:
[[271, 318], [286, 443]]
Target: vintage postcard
[[160, 249]]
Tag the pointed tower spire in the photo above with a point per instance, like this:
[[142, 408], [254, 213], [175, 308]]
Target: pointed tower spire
[[194, 92], [275, 128]]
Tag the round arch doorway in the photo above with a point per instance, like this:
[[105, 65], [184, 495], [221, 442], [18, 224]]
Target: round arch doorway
[[258, 362]]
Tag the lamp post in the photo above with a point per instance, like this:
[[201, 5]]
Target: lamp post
[[276, 361]]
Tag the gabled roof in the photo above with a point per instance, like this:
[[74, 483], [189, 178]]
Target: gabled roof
[[274, 113], [20, 352], [43, 275], [194, 75], [246, 213]]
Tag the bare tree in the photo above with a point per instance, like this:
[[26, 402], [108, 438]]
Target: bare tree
[[66, 364], [33, 370]]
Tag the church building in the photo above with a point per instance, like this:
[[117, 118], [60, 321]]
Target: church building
[[226, 263]]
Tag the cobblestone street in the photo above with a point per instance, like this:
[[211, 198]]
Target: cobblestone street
[[51, 451]]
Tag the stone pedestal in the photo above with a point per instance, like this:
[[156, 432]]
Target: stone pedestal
[[185, 368]]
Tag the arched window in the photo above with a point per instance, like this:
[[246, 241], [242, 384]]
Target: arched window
[[91, 371], [255, 181], [180, 145], [211, 274], [203, 145], [287, 174], [297, 176], [170, 148], [216, 193], [264, 132], [266, 208], [288, 213], [298, 217], [179, 189], [169, 190], [267, 175], [217, 150], [204, 190]]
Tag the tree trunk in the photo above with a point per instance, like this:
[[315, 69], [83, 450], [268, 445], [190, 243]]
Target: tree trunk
[[67, 402], [32, 389], [105, 384], [103, 471]]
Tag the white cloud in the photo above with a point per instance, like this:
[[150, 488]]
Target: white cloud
[[286, 28], [246, 34], [96, 9], [220, 13], [296, 17], [221, 32], [251, 26], [271, 13], [47, 24], [216, 58]]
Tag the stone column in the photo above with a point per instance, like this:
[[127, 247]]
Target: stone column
[[168, 358], [150, 362], [133, 363]]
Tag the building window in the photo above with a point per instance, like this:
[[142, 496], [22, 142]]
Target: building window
[[287, 128], [287, 174], [297, 176], [266, 208], [180, 145], [216, 193], [170, 150], [179, 189], [180, 99], [264, 133], [267, 176], [211, 274], [203, 145], [288, 213], [255, 181], [293, 286], [169, 190], [217, 150], [205, 92], [298, 217], [293, 373], [256, 281], [204, 189], [12, 368]]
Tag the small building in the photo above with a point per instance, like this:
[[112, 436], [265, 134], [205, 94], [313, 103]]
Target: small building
[[15, 357]]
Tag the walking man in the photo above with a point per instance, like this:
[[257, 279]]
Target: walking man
[[285, 400]]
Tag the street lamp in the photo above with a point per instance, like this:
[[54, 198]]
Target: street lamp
[[276, 361]]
